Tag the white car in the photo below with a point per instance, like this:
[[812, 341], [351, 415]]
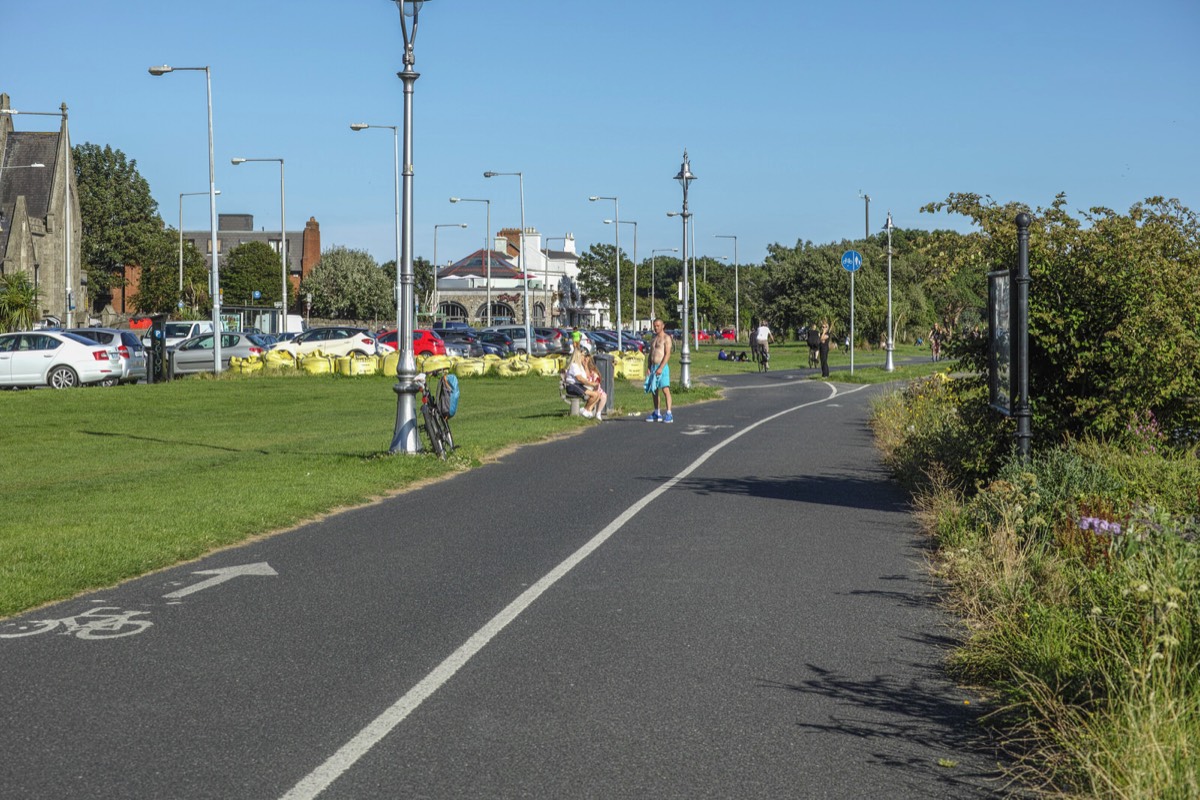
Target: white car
[[55, 358], [336, 340]]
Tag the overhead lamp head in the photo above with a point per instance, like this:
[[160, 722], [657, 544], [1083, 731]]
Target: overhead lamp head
[[409, 8], [593, 198], [490, 174], [685, 175], [608, 222], [238, 160], [163, 70], [455, 199], [359, 126]]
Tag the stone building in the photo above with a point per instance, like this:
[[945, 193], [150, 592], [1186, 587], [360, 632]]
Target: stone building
[[40, 227]]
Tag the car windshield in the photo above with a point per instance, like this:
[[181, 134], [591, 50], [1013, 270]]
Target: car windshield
[[177, 329]]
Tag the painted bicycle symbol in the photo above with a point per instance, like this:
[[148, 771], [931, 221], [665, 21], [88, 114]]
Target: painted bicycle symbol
[[107, 622]]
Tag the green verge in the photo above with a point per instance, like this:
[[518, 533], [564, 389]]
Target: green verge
[[102, 485]]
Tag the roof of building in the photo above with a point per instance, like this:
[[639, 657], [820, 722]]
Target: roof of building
[[23, 149], [476, 265]]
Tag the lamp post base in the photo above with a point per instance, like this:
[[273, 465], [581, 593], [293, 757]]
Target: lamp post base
[[405, 438], [889, 365], [685, 368]]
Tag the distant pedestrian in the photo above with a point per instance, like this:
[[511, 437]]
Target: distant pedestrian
[[823, 348], [658, 380]]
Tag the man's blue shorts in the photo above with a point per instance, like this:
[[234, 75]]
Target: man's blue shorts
[[663, 381]]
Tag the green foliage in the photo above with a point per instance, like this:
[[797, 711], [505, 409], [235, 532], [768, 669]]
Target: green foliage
[[1114, 312], [117, 213], [19, 301], [158, 289], [348, 284], [250, 267]]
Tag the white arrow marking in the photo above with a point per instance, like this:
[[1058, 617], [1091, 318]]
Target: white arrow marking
[[222, 575], [700, 430]]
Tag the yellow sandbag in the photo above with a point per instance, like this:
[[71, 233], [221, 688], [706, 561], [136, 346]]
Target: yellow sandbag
[[544, 365], [279, 359], [430, 363], [317, 365], [470, 366], [512, 368], [357, 365], [633, 368], [390, 363], [618, 368]]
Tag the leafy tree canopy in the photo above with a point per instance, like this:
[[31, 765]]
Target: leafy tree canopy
[[251, 267], [158, 289], [348, 284]]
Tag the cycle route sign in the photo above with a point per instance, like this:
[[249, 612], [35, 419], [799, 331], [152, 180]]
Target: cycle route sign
[[851, 261]]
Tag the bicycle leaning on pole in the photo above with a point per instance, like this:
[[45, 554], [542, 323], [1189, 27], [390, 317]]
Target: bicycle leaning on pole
[[437, 406]]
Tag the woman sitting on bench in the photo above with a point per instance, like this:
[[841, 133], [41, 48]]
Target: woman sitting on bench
[[583, 380]]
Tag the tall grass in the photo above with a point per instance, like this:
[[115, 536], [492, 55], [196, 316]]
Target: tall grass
[[1077, 575]]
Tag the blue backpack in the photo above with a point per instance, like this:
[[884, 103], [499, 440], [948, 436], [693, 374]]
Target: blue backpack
[[448, 397]]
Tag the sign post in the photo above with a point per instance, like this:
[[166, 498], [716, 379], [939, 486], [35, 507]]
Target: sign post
[[852, 263]]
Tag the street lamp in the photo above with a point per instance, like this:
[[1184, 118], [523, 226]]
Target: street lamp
[[487, 246], [685, 177], [395, 129], [215, 283], [889, 364], [181, 196], [866, 214], [404, 437], [435, 258], [617, 231], [520, 258], [550, 294], [67, 298], [737, 314], [635, 263], [652, 276], [283, 263]]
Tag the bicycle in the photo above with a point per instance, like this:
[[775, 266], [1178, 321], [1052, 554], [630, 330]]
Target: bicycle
[[108, 622], [763, 356], [434, 413]]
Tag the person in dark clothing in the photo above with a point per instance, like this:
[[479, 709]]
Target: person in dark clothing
[[824, 348]]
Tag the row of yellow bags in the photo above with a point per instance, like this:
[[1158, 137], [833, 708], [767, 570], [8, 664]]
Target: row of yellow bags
[[630, 366]]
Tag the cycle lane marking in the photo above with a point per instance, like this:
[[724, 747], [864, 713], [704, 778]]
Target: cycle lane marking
[[361, 743]]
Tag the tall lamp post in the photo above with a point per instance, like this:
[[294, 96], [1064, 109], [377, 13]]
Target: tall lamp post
[[520, 258], [435, 256], [635, 263], [68, 296], [404, 436], [889, 364], [550, 294], [685, 178], [215, 275], [866, 214], [181, 196], [487, 246], [652, 275], [617, 258], [395, 129], [283, 263], [737, 313]]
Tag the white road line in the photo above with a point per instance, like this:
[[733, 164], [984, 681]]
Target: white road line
[[341, 761]]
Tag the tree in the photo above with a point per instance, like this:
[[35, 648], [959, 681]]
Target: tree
[[348, 284], [117, 214], [598, 279], [251, 267], [158, 289], [422, 279], [18, 302]]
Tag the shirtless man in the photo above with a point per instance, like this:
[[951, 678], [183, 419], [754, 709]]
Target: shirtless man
[[660, 371]]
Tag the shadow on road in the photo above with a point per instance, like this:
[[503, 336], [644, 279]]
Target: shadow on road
[[849, 492]]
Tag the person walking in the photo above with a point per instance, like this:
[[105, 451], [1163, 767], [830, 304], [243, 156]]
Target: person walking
[[659, 378], [823, 348]]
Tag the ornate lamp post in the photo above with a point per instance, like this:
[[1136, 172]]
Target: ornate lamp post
[[520, 258], [404, 437], [737, 314], [215, 282], [685, 178], [283, 264], [395, 129], [889, 364], [487, 246]]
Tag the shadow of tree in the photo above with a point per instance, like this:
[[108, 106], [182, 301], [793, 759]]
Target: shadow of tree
[[851, 492]]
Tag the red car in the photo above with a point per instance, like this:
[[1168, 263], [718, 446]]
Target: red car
[[425, 342], [728, 333], [703, 336]]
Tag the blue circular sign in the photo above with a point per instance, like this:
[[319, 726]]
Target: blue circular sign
[[851, 260], [257, 294]]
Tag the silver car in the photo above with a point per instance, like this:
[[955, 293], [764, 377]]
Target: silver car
[[196, 354], [127, 344]]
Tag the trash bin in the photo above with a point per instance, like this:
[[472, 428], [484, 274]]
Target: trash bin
[[604, 363]]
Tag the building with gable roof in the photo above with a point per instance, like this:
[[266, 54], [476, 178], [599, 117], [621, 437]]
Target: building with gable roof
[[36, 205]]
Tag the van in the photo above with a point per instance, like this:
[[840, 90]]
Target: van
[[178, 330]]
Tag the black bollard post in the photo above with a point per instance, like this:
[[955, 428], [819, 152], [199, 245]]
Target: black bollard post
[[1020, 318]]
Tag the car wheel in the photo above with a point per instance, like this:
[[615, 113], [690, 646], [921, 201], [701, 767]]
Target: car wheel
[[62, 378], [358, 354], [520, 351], [109, 382]]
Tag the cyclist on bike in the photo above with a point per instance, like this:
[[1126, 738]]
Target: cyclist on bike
[[762, 339]]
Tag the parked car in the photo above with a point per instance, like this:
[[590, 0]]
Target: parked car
[[462, 344], [556, 340], [196, 354], [129, 348], [425, 342], [335, 340], [630, 341], [729, 333], [602, 341], [501, 341], [451, 326], [541, 346], [58, 359]]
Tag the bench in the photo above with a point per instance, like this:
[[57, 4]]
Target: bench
[[572, 400]]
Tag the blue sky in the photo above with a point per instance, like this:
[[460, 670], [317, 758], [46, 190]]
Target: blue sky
[[787, 109]]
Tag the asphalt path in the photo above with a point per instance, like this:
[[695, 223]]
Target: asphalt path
[[729, 606]]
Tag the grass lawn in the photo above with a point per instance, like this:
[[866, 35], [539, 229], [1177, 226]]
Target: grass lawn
[[102, 485]]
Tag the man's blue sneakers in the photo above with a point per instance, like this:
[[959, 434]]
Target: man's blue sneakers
[[668, 418], [654, 417]]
